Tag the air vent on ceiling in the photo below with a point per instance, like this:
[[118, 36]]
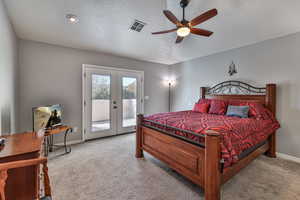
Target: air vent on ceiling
[[137, 25]]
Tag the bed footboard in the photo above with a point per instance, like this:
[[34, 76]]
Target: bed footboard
[[200, 165]]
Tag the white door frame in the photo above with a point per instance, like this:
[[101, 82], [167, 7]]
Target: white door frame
[[88, 66]]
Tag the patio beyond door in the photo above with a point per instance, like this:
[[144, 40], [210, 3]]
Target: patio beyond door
[[112, 98]]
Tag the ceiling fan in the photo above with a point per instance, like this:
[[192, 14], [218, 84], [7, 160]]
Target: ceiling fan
[[184, 27]]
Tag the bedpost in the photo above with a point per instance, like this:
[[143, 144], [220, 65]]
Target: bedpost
[[271, 97], [271, 104], [139, 151], [212, 166], [202, 92]]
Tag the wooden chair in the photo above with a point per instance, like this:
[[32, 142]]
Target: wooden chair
[[4, 167]]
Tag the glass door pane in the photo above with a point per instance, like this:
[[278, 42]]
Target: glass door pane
[[129, 100], [101, 101]]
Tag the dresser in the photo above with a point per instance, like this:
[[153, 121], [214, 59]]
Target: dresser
[[22, 183]]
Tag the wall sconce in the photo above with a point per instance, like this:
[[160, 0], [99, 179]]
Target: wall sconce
[[170, 82], [232, 69]]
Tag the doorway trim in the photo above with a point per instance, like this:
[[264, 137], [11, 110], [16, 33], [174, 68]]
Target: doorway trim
[[89, 66]]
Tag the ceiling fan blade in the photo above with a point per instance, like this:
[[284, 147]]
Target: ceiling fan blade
[[179, 39], [205, 16], [201, 32], [167, 31], [172, 17]]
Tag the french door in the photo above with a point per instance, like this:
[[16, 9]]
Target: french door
[[112, 97]]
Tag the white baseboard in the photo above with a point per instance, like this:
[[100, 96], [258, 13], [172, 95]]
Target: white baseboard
[[288, 157]]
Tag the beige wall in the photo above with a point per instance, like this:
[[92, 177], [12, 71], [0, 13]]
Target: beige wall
[[8, 74], [51, 74], [274, 61]]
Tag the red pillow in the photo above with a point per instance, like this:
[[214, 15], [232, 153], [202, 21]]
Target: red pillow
[[201, 107], [218, 107], [258, 111]]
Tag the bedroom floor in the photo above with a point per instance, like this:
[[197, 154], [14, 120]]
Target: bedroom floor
[[106, 169]]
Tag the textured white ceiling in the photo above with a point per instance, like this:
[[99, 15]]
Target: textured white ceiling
[[104, 25]]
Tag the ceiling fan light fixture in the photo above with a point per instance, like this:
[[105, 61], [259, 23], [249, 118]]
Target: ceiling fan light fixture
[[183, 31]]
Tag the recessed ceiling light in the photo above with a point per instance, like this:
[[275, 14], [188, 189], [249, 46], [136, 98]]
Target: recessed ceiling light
[[72, 18]]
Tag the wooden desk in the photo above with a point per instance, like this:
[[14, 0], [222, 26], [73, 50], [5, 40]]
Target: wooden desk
[[23, 182]]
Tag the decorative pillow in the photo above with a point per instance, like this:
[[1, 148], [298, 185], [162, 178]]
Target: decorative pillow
[[259, 111], [268, 115], [256, 109], [218, 107], [238, 111], [201, 107]]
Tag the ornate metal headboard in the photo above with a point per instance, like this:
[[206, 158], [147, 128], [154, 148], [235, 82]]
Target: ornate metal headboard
[[242, 91], [234, 88]]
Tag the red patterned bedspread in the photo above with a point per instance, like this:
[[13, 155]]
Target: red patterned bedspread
[[237, 134]]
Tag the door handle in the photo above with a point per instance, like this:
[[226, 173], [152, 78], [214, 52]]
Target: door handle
[[115, 107]]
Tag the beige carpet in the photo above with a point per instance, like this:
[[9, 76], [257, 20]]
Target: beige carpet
[[106, 169]]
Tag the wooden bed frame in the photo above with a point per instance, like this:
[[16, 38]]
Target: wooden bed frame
[[202, 164]]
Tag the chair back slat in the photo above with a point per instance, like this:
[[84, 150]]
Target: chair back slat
[[22, 163]]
